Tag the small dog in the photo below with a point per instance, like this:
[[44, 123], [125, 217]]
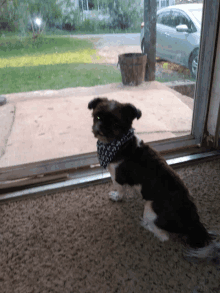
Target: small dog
[[169, 207]]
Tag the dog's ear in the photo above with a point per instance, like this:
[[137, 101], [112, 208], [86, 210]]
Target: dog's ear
[[131, 111], [93, 103]]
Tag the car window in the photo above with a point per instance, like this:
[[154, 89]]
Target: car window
[[166, 18], [160, 17], [180, 18]]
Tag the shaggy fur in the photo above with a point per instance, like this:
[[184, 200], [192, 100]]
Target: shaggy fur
[[169, 207]]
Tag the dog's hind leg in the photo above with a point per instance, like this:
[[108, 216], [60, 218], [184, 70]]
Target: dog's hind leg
[[147, 222]]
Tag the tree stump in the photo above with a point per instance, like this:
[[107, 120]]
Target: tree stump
[[133, 68]]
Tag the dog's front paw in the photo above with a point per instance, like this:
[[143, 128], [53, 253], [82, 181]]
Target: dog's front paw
[[143, 222], [115, 196]]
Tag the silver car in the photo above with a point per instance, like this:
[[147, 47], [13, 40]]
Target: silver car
[[178, 35]]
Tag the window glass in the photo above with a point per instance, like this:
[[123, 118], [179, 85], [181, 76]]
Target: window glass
[[165, 18], [163, 3], [180, 18], [57, 55]]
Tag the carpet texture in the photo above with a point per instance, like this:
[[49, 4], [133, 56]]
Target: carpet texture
[[80, 241]]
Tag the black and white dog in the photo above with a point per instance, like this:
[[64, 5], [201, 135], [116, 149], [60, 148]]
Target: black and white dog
[[169, 207]]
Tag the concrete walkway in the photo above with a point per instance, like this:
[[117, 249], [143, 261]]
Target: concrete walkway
[[51, 124]]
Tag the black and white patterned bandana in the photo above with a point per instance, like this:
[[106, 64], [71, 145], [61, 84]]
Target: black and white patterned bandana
[[107, 151]]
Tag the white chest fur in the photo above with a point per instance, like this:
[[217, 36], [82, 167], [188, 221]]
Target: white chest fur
[[123, 191]]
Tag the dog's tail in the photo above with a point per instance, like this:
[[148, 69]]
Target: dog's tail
[[202, 246], [209, 253]]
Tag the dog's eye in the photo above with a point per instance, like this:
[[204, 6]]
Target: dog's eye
[[98, 117]]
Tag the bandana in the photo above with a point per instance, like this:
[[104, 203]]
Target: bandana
[[107, 151]]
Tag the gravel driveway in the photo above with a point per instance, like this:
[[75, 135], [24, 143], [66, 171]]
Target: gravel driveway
[[102, 40]]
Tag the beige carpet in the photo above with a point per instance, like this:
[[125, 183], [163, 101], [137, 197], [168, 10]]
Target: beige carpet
[[80, 241]]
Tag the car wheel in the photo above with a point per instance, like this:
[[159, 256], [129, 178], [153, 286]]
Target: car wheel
[[193, 63]]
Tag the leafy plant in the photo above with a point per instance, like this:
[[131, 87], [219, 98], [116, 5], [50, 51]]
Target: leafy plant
[[126, 14], [71, 16], [89, 25]]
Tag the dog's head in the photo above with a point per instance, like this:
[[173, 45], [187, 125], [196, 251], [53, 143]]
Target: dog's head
[[111, 119]]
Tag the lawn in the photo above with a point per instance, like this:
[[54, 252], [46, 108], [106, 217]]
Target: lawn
[[50, 62], [33, 78]]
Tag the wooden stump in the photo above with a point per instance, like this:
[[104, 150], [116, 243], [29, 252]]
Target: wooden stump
[[133, 68]]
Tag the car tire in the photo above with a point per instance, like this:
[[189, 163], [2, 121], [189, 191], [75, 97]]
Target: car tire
[[193, 63]]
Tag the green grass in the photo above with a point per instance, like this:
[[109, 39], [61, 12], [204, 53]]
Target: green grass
[[22, 79], [54, 62], [81, 56], [51, 62], [15, 46]]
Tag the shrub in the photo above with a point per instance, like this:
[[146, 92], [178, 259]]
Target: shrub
[[89, 25], [126, 14], [72, 18], [94, 24]]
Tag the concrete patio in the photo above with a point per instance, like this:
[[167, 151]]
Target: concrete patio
[[50, 124]]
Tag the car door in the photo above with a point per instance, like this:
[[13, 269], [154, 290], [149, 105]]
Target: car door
[[179, 43], [163, 23]]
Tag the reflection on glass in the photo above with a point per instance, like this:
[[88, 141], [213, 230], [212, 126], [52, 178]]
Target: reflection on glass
[[56, 57]]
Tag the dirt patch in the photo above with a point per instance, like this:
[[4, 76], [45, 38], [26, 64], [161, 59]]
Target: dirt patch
[[171, 71], [110, 55]]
